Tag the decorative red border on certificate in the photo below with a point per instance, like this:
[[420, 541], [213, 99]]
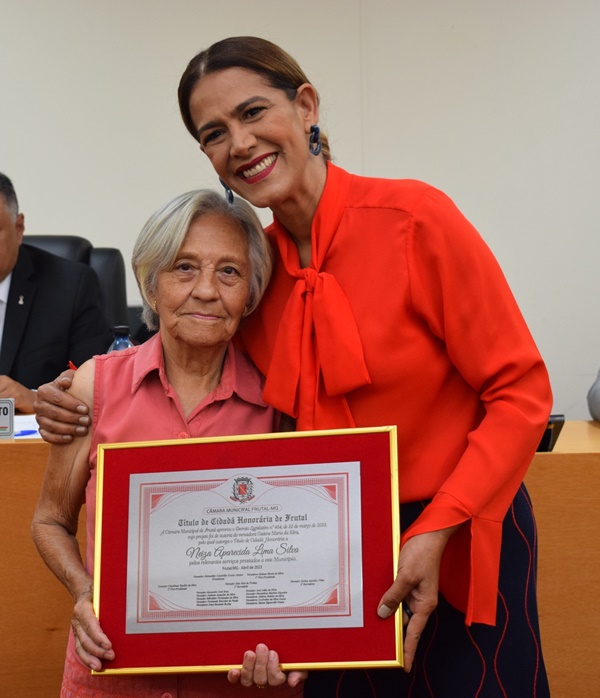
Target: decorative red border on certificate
[[377, 644], [153, 494]]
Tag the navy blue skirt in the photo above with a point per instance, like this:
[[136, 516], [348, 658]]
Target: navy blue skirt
[[456, 661]]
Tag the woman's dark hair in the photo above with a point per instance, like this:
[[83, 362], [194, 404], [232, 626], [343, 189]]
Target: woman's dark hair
[[260, 56]]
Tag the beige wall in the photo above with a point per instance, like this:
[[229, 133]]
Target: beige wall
[[496, 103]]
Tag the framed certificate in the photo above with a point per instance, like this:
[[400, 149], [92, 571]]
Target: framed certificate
[[206, 547]]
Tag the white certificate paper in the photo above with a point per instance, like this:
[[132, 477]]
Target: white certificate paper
[[276, 547]]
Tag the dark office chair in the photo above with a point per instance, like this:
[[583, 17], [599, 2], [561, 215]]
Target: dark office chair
[[553, 429], [107, 262]]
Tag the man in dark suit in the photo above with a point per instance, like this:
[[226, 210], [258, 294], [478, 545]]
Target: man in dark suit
[[50, 310]]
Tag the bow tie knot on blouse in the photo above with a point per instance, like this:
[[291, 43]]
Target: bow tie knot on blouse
[[318, 336], [311, 278]]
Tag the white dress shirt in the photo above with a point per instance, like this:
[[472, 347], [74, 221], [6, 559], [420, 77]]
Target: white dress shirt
[[4, 289]]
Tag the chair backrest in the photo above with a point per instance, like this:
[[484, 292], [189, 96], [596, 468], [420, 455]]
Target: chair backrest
[[68, 246], [107, 262]]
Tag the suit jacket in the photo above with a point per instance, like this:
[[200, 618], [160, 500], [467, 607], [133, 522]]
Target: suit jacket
[[54, 314]]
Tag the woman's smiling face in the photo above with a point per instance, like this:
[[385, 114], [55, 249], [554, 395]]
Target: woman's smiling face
[[255, 136]]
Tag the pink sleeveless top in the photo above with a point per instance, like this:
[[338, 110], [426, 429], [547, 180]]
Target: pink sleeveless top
[[133, 401]]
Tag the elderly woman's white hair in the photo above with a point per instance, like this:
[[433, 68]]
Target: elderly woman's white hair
[[163, 234]]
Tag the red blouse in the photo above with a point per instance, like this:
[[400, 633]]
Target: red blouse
[[404, 317]]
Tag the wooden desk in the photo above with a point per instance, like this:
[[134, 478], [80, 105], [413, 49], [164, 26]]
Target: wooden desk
[[564, 485], [565, 488], [36, 608]]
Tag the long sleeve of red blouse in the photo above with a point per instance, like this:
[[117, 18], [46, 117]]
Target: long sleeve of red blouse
[[459, 290], [404, 317]]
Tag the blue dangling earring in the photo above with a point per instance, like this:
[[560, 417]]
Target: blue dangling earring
[[314, 141], [228, 191]]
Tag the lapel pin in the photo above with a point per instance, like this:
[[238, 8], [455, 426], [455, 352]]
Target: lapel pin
[[21, 301]]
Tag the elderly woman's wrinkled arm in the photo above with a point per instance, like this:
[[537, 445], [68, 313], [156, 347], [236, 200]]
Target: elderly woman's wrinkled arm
[[54, 530], [593, 398]]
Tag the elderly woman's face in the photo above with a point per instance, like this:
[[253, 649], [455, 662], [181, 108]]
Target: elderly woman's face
[[202, 298], [254, 136]]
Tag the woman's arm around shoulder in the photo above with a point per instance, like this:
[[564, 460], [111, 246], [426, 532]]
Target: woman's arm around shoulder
[[60, 413]]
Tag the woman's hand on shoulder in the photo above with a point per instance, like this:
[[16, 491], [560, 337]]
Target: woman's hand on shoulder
[[60, 414], [262, 668]]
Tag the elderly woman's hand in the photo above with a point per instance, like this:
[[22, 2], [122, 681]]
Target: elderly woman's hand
[[59, 415], [91, 643], [262, 668]]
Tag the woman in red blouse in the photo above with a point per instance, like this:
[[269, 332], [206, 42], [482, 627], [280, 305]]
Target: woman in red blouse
[[386, 307]]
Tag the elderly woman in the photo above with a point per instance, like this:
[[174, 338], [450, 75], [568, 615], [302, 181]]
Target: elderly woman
[[201, 264]]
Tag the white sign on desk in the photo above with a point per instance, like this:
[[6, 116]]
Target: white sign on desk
[[26, 427], [7, 417]]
